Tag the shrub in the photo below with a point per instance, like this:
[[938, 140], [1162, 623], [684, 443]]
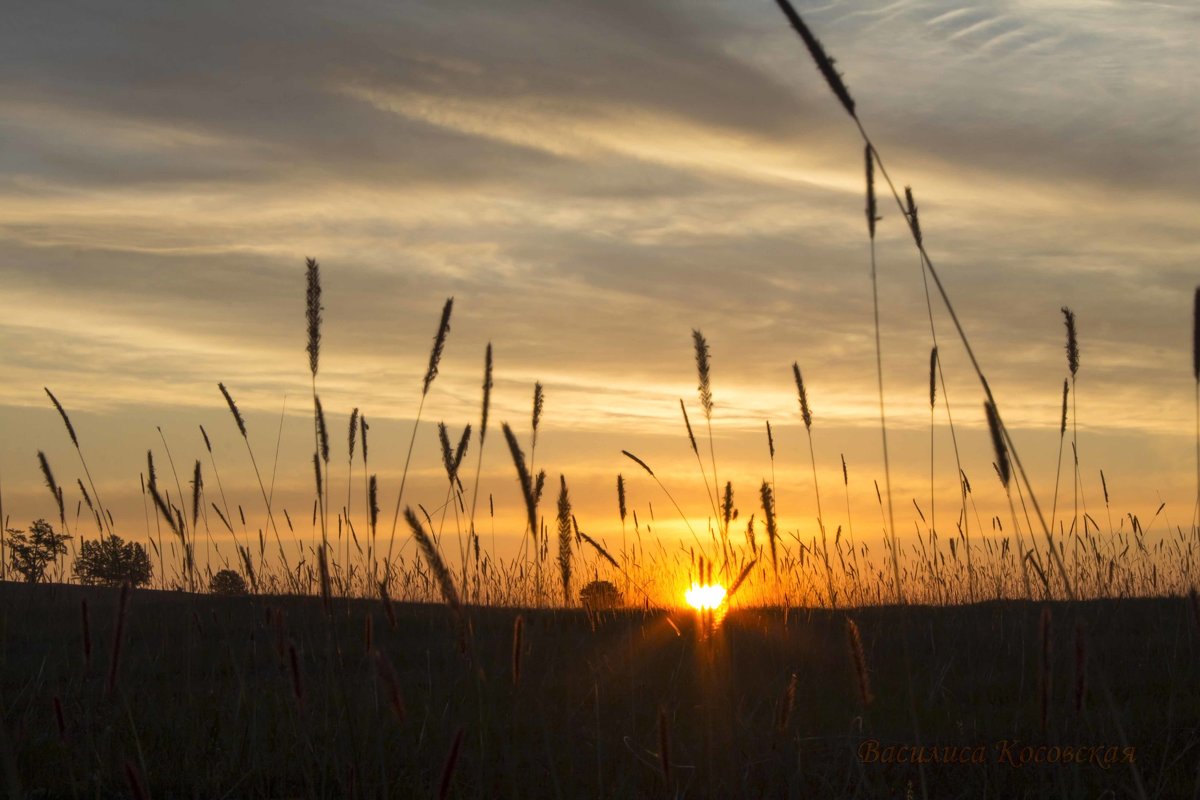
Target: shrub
[[599, 595], [111, 561], [31, 552], [227, 582]]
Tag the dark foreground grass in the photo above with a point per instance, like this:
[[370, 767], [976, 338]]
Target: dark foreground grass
[[206, 702]]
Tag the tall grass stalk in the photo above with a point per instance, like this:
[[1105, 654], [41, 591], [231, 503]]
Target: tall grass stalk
[[1196, 375], [708, 491], [806, 416], [483, 424], [435, 358], [704, 387], [241, 425], [82, 461]]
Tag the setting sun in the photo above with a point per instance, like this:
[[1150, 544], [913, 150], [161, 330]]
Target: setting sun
[[705, 597]]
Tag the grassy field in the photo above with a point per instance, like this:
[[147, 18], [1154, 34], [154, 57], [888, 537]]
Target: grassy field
[[270, 697]]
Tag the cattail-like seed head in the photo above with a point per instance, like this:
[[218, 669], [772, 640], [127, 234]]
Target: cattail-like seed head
[[994, 425], [933, 366], [323, 568], [638, 461], [745, 573], [391, 683], [564, 538], [433, 558], [137, 787], [859, 657], [1062, 427], [322, 431], [297, 682], [85, 619], [118, 636], [1196, 336], [768, 504], [448, 768], [313, 313], [664, 745], [527, 487], [871, 209], [373, 495], [539, 402], [688, 423], [197, 485], [353, 432], [786, 703], [1080, 667], [621, 496], [914, 221], [86, 498], [517, 647], [845, 474], [702, 370], [51, 484], [63, 413], [1072, 341], [317, 470], [1044, 676], [237, 415], [1104, 484], [770, 440], [823, 61], [805, 412], [363, 427], [386, 600], [60, 719], [487, 394], [439, 344], [599, 548], [727, 504]]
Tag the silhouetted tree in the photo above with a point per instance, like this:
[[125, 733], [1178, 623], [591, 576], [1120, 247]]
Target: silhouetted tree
[[111, 561], [227, 582], [30, 552]]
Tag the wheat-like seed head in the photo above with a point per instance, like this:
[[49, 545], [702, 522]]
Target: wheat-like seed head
[[353, 432]]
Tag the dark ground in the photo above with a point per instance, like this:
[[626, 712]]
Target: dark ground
[[206, 704]]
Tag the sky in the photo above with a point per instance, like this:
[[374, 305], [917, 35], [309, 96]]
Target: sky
[[590, 182]]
